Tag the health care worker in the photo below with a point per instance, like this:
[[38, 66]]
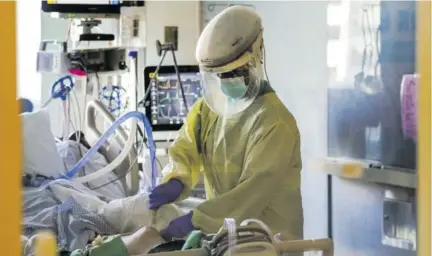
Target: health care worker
[[240, 135]]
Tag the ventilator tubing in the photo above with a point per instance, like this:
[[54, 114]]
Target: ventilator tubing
[[263, 226], [129, 144], [116, 162]]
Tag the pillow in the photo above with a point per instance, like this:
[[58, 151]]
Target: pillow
[[39, 149]]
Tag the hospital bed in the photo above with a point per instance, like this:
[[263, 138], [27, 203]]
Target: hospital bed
[[127, 170], [112, 148], [106, 214]]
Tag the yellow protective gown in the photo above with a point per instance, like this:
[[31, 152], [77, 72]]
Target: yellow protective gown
[[251, 164]]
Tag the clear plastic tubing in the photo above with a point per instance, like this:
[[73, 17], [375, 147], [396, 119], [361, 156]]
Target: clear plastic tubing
[[116, 162], [148, 129], [230, 226], [260, 223]]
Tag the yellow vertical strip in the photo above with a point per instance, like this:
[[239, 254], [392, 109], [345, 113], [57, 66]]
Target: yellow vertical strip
[[45, 244], [10, 136], [424, 127]]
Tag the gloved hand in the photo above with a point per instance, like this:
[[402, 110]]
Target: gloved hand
[[178, 228], [165, 193]]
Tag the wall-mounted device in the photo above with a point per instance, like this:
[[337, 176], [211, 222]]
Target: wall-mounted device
[[99, 60], [164, 107], [60, 61], [171, 37], [399, 227], [52, 60], [87, 9], [87, 34]]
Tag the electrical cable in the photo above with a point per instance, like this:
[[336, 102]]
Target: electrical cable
[[70, 122], [146, 93], [83, 172], [79, 115], [134, 55], [154, 79], [78, 118], [264, 64], [66, 117], [144, 141], [69, 30], [97, 79], [180, 83], [79, 131]]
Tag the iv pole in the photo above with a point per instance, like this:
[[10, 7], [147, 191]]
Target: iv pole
[[162, 50]]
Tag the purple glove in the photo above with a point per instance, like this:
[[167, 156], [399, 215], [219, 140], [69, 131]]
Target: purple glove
[[178, 228], [165, 193]]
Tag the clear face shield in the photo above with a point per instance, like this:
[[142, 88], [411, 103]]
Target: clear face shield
[[232, 92]]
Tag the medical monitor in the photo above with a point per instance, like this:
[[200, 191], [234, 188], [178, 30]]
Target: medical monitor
[[91, 8], [164, 107]]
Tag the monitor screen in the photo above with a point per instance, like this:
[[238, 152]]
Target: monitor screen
[[165, 105], [108, 7], [95, 2]]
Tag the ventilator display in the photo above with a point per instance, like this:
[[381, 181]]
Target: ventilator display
[[166, 100]]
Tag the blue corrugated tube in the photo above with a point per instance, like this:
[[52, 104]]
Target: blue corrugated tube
[[152, 148]]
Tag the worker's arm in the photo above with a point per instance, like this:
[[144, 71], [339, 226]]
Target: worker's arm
[[267, 167], [184, 154]]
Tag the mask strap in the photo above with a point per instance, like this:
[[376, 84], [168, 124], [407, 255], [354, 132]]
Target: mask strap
[[264, 64]]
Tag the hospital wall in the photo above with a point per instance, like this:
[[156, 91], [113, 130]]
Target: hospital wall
[[28, 37], [183, 14], [296, 40]]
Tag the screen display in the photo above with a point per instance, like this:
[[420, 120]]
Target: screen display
[[93, 2], [167, 105], [103, 8]]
